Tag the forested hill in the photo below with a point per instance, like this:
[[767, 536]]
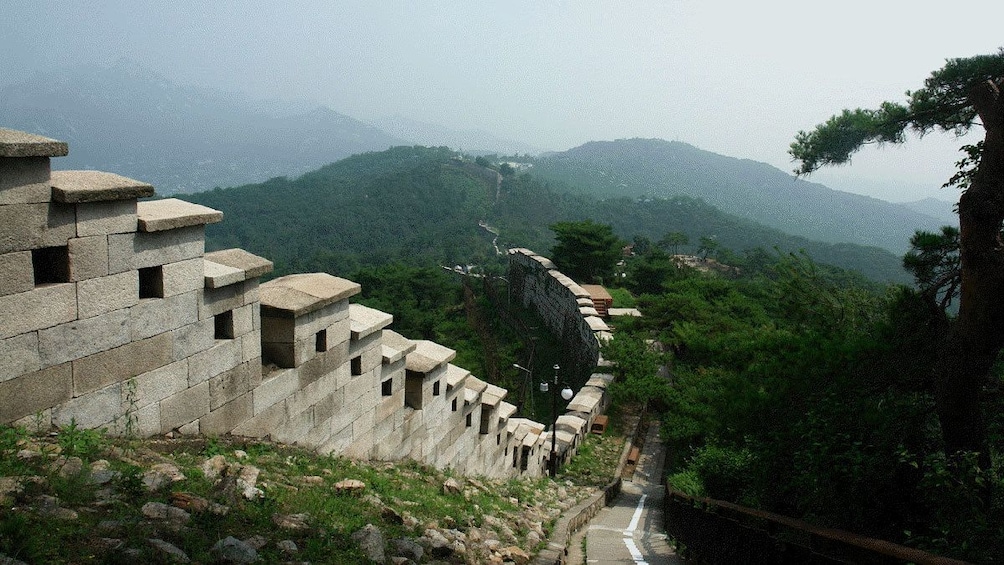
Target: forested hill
[[757, 191], [423, 206]]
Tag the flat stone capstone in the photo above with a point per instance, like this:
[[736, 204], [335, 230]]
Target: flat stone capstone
[[15, 143], [74, 187]]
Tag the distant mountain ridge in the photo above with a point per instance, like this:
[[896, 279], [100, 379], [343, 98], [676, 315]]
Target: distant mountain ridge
[[757, 191], [128, 119]]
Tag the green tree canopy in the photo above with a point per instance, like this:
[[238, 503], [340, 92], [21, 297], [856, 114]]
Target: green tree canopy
[[963, 94], [586, 251]]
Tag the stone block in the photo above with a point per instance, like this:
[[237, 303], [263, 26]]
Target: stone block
[[190, 429], [295, 428], [16, 273], [324, 409], [121, 363], [31, 226], [81, 338], [88, 257], [152, 316], [35, 392], [340, 439], [361, 446], [215, 301], [172, 214], [147, 420], [24, 180], [317, 435], [262, 424], [153, 386], [251, 265], [216, 360], [243, 319], [229, 385], [193, 338], [274, 389], [357, 388], [37, 423], [226, 418], [185, 407], [251, 346], [387, 405], [39, 308], [105, 294], [296, 295], [96, 186], [218, 276], [19, 355], [106, 218], [182, 277], [370, 342], [93, 410], [138, 250]]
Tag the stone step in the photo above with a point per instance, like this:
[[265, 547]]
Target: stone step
[[171, 213], [15, 144], [74, 187]]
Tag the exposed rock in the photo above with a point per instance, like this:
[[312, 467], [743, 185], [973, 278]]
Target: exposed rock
[[67, 466], [49, 506], [438, 545], [171, 551], [516, 555], [409, 549], [233, 550], [451, 486], [161, 475], [247, 479], [287, 546], [101, 473], [370, 540], [213, 467], [296, 522], [533, 539], [161, 511], [9, 486], [391, 516], [350, 486], [312, 480], [256, 542]]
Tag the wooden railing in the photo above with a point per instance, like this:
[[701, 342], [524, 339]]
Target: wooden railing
[[714, 531]]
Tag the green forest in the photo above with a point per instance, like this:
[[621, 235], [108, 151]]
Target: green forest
[[836, 383]]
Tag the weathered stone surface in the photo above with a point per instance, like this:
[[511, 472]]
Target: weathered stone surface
[[19, 355], [233, 550], [88, 257], [222, 357], [184, 407], [138, 250], [229, 385], [16, 273], [154, 316], [72, 187], [428, 355], [80, 338], [31, 226], [91, 410], [274, 389], [252, 265], [182, 276], [217, 275], [24, 180], [156, 385], [169, 550], [224, 419], [34, 392], [365, 321], [104, 294], [371, 541], [105, 218], [172, 213], [296, 295], [14, 143], [120, 363]]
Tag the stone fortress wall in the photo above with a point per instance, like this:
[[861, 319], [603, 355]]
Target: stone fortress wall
[[113, 315]]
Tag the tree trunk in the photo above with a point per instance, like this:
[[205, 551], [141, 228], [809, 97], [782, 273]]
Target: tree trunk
[[977, 335]]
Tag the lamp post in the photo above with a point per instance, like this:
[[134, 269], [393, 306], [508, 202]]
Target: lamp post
[[566, 393]]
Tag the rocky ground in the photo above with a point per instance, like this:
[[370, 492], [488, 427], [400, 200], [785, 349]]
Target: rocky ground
[[80, 497]]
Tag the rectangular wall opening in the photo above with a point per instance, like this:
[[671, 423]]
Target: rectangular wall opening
[[51, 265], [151, 282], [387, 387], [223, 325], [413, 382], [321, 341], [357, 366], [435, 388], [486, 419]]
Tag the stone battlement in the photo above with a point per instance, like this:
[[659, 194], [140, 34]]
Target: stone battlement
[[113, 315]]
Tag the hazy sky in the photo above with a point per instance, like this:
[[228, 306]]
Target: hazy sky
[[738, 78]]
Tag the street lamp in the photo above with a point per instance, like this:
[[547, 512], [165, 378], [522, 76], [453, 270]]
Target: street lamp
[[566, 393]]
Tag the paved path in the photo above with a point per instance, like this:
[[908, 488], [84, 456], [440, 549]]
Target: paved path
[[631, 529]]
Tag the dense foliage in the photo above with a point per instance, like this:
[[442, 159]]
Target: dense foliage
[[798, 390]]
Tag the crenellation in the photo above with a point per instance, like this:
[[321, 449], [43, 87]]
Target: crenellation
[[114, 315]]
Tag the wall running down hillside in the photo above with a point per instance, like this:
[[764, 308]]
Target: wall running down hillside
[[564, 306], [112, 315]]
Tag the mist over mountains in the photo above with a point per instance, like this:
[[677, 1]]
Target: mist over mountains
[[127, 119]]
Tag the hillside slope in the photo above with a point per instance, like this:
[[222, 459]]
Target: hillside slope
[[423, 206], [756, 191], [126, 118]]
